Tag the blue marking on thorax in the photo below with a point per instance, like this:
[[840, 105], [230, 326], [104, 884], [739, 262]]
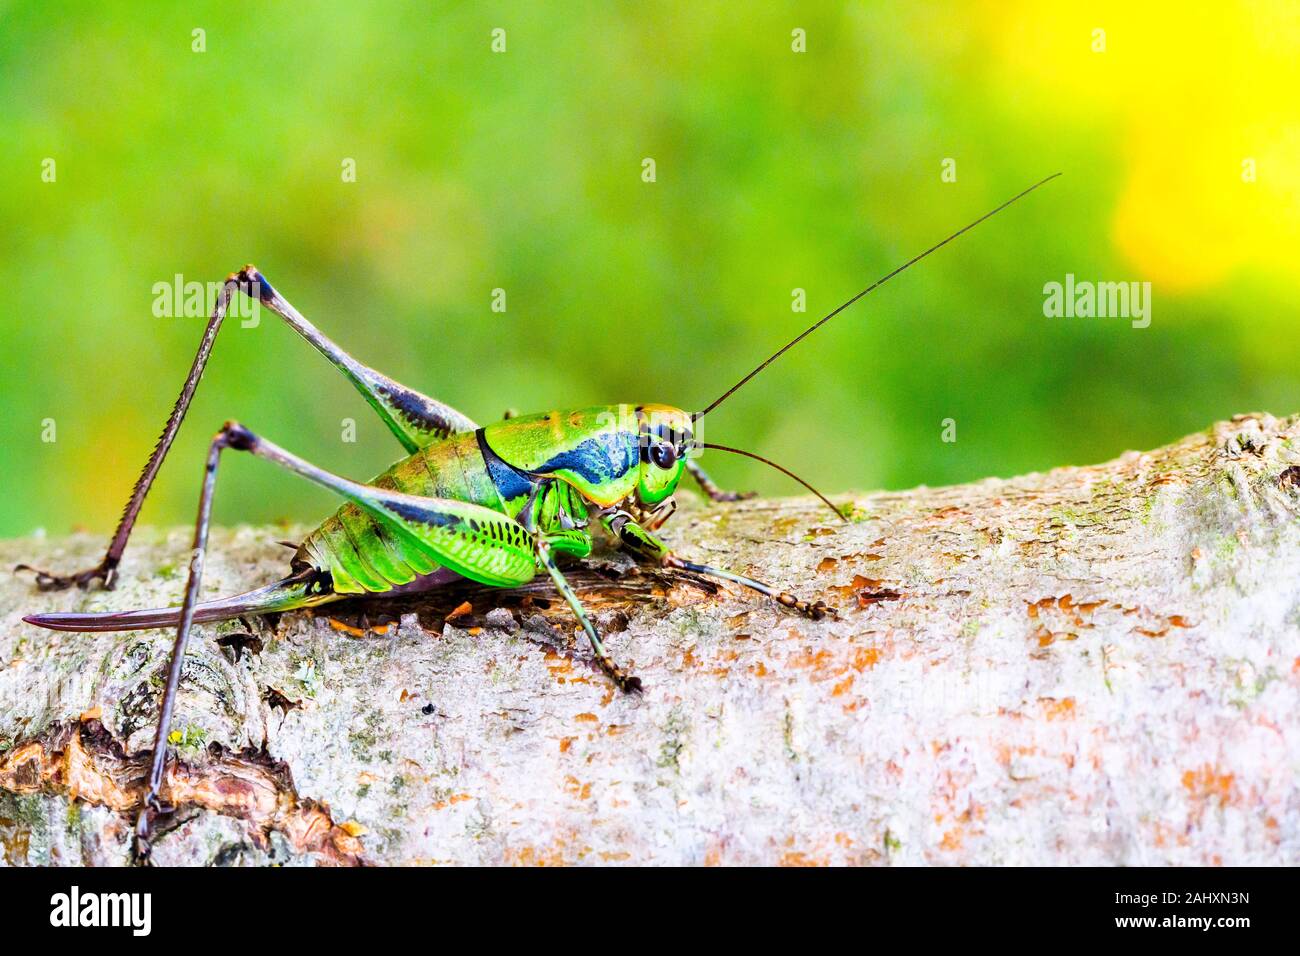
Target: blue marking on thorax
[[510, 482], [596, 460]]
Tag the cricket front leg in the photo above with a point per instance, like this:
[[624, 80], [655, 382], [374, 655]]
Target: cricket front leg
[[625, 681], [642, 543]]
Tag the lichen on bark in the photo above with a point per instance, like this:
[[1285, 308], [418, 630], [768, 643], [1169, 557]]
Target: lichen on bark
[[1092, 665]]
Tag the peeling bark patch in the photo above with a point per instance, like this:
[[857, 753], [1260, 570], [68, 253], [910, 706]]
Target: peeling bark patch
[[828, 564], [459, 613], [867, 591], [1064, 619], [277, 699], [1207, 785], [84, 762], [869, 596], [241, 642]]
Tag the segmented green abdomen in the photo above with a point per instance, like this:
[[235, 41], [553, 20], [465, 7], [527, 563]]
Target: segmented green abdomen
[[362, 555]]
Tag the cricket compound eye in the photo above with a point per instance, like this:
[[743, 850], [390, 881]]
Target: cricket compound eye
[[663, 455]]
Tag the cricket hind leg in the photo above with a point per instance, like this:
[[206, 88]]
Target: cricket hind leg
[[469, 539], [151, 807], [106, 571], [414, 418]]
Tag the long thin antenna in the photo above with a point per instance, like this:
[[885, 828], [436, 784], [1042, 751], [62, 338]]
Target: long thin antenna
[[875, 285], [784, 471]]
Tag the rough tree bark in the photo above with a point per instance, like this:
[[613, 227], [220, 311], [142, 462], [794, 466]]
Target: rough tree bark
[[1094, 665]]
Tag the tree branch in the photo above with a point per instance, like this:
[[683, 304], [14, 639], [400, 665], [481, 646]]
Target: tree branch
[[1094, 665]]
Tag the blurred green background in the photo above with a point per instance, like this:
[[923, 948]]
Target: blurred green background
[[522, 170]]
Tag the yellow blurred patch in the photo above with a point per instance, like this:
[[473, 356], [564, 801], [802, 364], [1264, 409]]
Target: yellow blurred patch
[[1195, 100]]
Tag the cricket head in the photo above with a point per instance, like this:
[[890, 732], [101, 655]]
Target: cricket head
[[665, 437]]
